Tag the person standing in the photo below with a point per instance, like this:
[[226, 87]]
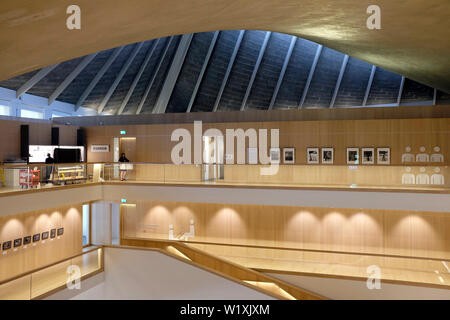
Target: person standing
[[123, 167], [48, 169]]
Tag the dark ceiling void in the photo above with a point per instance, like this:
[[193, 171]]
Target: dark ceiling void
[[222, 71]]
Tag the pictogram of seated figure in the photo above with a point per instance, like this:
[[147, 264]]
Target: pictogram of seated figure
[[437, 156], [422, 156], [408, 177], [437, 178], [408, 156], [422, 177]]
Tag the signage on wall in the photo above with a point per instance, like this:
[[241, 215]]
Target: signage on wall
[[100, 148], [123, 200], [122, 132]]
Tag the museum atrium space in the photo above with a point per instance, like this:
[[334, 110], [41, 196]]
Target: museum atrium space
[[239, 150]]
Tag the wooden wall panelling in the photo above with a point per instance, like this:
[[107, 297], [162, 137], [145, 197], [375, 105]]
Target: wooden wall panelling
[[417, 234], [25, 224], [154, 145]]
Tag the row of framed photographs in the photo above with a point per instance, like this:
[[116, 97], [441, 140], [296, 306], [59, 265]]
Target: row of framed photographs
[[37, 237], [367, 156]]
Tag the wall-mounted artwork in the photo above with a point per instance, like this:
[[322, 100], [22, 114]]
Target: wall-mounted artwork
[[408, 156], [60, 231], [384, 155], [52, 233], [408, 177], [274, 155], [312, 155], [36, 237], [327, 155], [423, 177], [437, 156], [27, 240], [17, 242], [437, 178], [422, 156], [45, 235], [368, 155], [352, 155], [6, 245], [289, 155]]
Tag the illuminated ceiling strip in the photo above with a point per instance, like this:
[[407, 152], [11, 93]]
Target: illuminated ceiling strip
[[369, 85], [119, 77], [172, 74], [68, 80], [137, 77], [150, 84], [400, 91], [97, 77], [339, 80], [283, 71], [255, 70], [35, 79], [202, 72], [230, 66], [310, 76]]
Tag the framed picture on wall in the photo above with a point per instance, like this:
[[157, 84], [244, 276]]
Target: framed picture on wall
[[352, 155], [44, 235], [274, 155], [52, 233], [289, 155], [60, 231], [36, 237], [327, 155], [27, 240], [17, 242], [6, 245], [312, 155], [368, 155], [384, 155]]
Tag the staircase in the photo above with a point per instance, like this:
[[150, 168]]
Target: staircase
[[245, 276]]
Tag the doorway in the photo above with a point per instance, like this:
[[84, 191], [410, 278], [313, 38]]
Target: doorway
[[213, 158]]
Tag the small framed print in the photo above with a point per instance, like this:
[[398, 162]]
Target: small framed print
[[52, 233], [289, 155], [327, 155], [368, 155], [36, 237], [7, 245], [352, 155], [274, 155], [27, 240], [312, 155], [60, 231], [17, 242], [45, 235], [384, 155]]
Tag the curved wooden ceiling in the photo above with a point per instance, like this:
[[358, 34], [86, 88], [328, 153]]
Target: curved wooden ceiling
[[414, 40]]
